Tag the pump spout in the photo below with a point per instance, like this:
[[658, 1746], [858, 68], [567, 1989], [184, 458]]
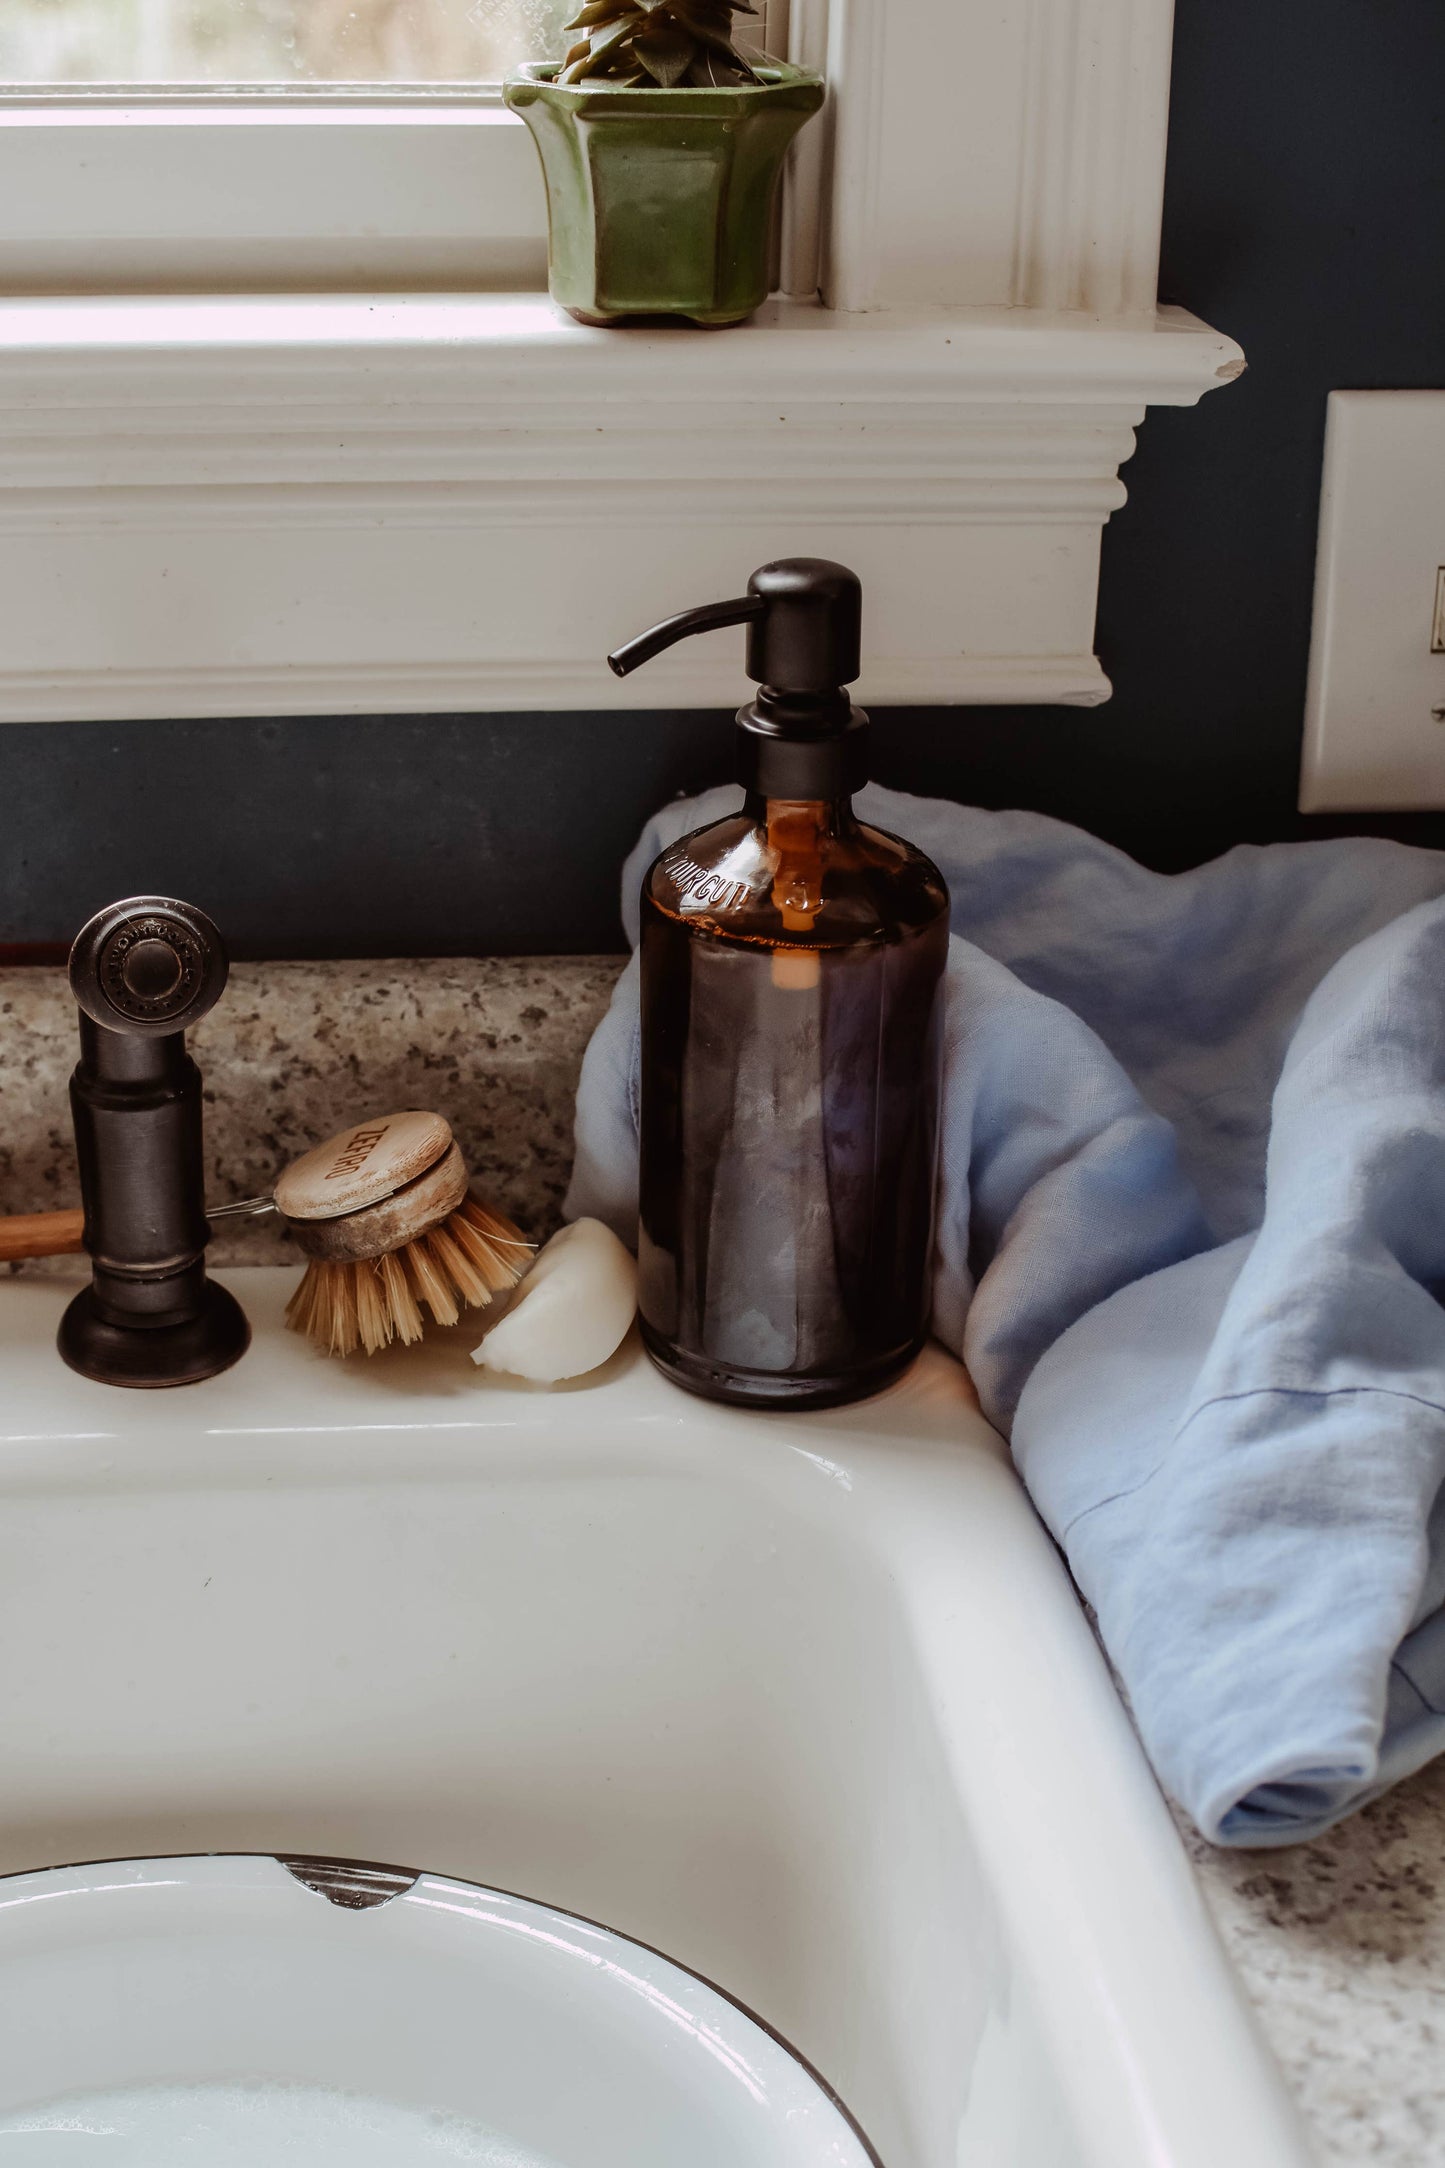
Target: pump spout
[[706, 618]]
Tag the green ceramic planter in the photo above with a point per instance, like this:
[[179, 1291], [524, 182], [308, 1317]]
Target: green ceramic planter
[[659, 202]]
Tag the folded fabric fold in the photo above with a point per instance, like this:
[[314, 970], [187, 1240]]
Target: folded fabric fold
[[1191, 1227]]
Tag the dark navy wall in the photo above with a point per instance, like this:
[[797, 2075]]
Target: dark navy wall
[[1305, 204]]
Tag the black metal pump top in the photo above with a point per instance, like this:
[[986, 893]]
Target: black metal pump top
[[802, 737]]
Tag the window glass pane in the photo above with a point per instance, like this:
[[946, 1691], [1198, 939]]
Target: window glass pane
[[274, 41]]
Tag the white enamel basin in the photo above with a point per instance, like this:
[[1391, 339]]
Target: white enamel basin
[[805, 1702], [198, 2010]]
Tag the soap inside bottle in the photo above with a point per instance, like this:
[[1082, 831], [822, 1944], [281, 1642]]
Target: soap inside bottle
[[792, 960]]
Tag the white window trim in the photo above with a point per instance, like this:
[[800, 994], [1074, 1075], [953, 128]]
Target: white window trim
[[334, 187], [125, 193], [219, 503]]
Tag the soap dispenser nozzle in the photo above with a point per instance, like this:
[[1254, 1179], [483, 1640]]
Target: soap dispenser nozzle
[[707, 617], [802, 738]]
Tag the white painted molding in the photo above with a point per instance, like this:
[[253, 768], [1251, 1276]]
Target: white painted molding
[[511, 685], [995, 155], [806, 176], [290, 506], [104, 195], [1091, 175]]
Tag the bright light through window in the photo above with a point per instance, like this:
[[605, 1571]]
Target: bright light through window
[[172, 43]]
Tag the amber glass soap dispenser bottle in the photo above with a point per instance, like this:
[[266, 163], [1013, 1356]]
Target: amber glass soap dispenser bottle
[[792, 966]]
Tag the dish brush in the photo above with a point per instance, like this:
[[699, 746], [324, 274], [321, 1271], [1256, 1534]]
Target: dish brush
[[387, 1221]]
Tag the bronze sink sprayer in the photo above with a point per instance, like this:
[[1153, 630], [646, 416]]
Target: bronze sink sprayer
[[142, 972]]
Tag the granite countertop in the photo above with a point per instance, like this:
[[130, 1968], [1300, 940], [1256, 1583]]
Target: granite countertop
[[1340, 1943], [1341, 1946]]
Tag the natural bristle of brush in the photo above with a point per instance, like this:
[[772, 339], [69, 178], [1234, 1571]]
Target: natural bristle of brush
[[385, 1216], [346, 1303]]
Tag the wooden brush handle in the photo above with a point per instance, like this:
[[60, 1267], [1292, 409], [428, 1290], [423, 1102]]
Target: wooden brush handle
[[39, 1234]]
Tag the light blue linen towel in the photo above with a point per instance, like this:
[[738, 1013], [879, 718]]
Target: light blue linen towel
[[1191, 1237]]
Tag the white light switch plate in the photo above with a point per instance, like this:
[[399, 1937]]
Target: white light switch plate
[[1375, 712]]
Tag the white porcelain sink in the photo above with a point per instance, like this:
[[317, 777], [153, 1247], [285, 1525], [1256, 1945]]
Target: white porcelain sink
[[805, 1702]]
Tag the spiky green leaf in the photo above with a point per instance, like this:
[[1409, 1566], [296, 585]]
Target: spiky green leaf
[[720, 44], [599, 11], [667, 52], [608, 37]]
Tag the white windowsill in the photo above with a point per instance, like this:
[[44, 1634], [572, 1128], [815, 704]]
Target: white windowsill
[[290, 504], [1170, 358]]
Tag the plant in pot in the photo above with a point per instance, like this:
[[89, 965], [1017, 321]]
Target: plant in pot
[[661, 147]]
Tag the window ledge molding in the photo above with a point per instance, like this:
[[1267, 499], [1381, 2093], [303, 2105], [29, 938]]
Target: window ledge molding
[[335, 504]]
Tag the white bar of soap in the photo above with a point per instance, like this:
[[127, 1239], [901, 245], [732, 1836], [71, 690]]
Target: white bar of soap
[[570, 1312]]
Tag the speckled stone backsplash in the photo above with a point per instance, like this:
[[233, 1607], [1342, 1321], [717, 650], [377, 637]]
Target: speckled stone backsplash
[[294, 1051]]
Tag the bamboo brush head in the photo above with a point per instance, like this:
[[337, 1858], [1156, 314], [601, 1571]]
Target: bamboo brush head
[[384, 1214]]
